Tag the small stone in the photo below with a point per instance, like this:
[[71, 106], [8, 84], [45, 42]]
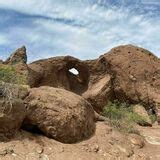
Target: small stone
[[109, 130], [43, 157], [84, 144], [13, 154], [9, 151], [61, 149], [95, 148], [136, 140], [39, 150], [3, 153], [111, 142], [104, 154], [132, 78]]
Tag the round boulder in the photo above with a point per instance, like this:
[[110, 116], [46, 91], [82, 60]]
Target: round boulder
[[60, 114]]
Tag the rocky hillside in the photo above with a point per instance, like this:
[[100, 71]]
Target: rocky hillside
[[51, 112]]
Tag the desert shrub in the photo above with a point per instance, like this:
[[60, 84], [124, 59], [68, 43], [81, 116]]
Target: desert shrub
[[153, 118], [122, 117], [8, 75], [10, 82]]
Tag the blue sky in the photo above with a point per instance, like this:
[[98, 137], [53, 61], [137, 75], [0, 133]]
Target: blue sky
[[82, 28]]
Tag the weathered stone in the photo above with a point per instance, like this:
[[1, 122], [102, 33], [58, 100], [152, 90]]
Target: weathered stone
[[136, 75], [12, 115], [127, 73], [60, 114], [19, 56], [136, 140], [141, 111]]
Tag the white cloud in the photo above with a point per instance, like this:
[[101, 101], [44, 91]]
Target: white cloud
[[156, 2], [3, 39], [80, 28]]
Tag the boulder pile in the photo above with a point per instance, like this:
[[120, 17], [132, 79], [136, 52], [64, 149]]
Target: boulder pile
[[127, 73], [62, 104]]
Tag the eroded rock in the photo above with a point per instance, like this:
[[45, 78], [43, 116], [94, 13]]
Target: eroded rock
[[12, 115], [141, 111], [136, 73], [127, 73], [19, 56], [60, 114], [136, 140]]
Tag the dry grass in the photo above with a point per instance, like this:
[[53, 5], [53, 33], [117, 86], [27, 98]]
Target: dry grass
[[122, 117]]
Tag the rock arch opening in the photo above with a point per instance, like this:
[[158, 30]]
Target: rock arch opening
[[74, 71], [78, 76]]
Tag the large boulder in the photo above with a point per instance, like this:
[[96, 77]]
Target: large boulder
[[141, 111], [12, 115], [99, 90], [99, 93], [136, 73], [59, 114]]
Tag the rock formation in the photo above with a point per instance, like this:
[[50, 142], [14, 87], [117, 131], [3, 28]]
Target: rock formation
[[140, 110], [19, 56], [18, 60], [136, 74], [126, 73], [60, 114], [11, 117], [64, 106]]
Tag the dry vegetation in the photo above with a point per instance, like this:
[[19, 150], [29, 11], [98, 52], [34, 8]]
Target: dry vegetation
[[10, 82], [122, 117]]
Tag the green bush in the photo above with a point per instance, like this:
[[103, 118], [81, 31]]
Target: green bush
[[8, 75], [153, 118], [11, 83], [122, 117]]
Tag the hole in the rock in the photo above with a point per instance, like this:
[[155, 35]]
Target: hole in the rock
[[33, 129], [74, 71], [1, 92]]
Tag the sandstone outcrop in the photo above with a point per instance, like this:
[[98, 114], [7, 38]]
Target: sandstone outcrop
[[64, 106], [136, 73], [54, 72], [126, 73], [18, 60], [19, 56], [93, 81], [60, 114]]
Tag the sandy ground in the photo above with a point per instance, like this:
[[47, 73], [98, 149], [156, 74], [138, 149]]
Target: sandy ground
[[106, 144]]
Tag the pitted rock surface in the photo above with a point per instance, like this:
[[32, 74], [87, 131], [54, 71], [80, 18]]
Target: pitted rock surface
[[60, 114]]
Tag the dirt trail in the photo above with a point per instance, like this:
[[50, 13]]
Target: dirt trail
[[152, 136], [106, 144]]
